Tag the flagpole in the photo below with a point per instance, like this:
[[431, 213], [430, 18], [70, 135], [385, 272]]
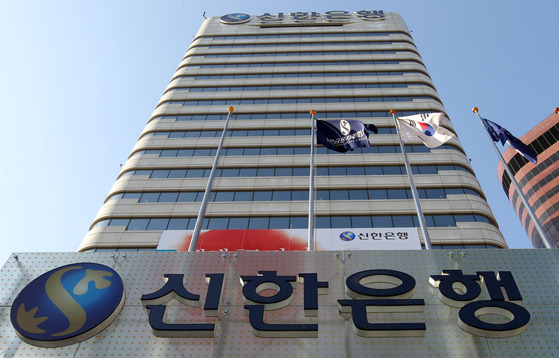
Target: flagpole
[[527, 206], [310, 236], [201, 213], [420, 216]]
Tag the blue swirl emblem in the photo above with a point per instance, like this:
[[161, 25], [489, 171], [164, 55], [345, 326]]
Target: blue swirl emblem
[[347, 236], [237, 18], [67, 305]]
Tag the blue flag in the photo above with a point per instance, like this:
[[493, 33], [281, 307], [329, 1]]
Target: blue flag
[[500, 134], [342, 135]]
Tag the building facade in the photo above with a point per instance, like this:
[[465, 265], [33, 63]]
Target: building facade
[[539, 182], [273, 69]]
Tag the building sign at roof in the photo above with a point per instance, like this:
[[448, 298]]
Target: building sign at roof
[[305, 17]]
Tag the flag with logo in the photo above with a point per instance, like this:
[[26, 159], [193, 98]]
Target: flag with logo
[[342, 135], [426, 127], [500, 134]]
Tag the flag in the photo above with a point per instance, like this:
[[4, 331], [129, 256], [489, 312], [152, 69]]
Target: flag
[[426, 127], [342, 135], [500, 134]]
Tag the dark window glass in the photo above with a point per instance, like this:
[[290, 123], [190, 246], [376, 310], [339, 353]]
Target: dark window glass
[[341, 222], [356, 171], [265, 172], [201, 152], [402, 221], [158, 224], [464, 218], [119, 222], [138, 224], [243, 196], [337, 171], [377, 194], [262, 196], [247, 172], [355, 194], [300, 172], [258, 223], [284, 172], [339, 195], [177, 224], [444, 220], [160, 174], [252, 151], [279, 223], [300, 195], [323, 195], [281, 195], [149, 197], [131, 195], [361, 222], [229, 173], [177, 134], [483, 219], [396, 194], [298, 222], [224, 196], [427, 169], [218, 223], [321, 171], [234, 151], [268, 151], [188, 197], [435, 193], [392, 170], [177, 173], [238, 223], [382, 221], [168, 153], [373, 170], [168, 197], [322, 222], [195, 173]]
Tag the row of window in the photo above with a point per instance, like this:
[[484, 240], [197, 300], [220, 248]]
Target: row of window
[[235, 102], [288, 115], [301, 75], [536, 170], [205, 152], [539, 145], [301, 35], [293, 195], [297, 87], [293, 171], [292, 222], [540, 184], [304, 53], [305, 44], [317, 63]]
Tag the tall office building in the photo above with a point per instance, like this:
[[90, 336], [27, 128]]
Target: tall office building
[[539, 183], [273, 69]]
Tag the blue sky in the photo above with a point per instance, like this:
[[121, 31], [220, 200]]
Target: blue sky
[[79, 79]]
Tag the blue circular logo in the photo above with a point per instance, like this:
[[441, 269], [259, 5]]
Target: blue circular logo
[[347, 236], [237, 18], [67, 305]]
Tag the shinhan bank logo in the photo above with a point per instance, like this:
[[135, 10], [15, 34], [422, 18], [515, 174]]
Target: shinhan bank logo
[[345, 128], [347, 236], [236, 18], [67, 305]]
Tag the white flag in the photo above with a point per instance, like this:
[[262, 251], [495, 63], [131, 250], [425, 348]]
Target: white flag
[[426, 127]]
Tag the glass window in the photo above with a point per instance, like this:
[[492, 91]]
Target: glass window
[[218, 223], [178, 224], [373, 170], [168, 197], [300, 195], [300, 172], [427, 169], [322, 222], [160, 174], [382, 221], [298, 222], [265, 172], [361, 222], [279, 223], [444, 220], [178, 134], [131, 195], [247, 172], [234, 151], [356, 171], [229, 173], [391, 170], [177, 173], [168, 153], [396, 194], [341, 222], [281, 195], [158, 224], [138, 224], [301, 151], [284, 172], [243, 196], [377, 194], [119, 222], [339, 195], [187, 197], [224, 196], [402, 221], [435, 193], [262, 196], [321, 171], [201, 152], [238, 223], [337, 171], [258, 223], [268, 151], [464, 218], [195, 173], [252, 151], [355, 194]]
